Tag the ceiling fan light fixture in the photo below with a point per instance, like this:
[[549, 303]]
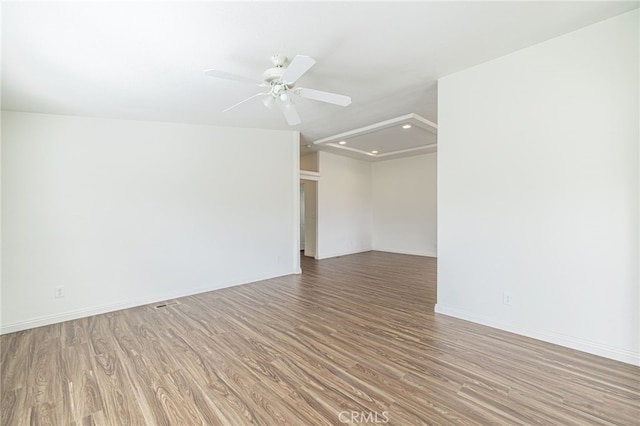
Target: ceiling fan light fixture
[[284, 96], [268, 101]]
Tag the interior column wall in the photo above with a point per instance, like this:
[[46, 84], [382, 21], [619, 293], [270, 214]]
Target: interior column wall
[[344, 206], [404, 205]]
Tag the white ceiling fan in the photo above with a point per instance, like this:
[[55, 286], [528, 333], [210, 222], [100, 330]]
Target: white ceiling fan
[[280, 81]]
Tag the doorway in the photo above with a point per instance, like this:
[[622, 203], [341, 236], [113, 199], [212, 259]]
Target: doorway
[[308, 217]]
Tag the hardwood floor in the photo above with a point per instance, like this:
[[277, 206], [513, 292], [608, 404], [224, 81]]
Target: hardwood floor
[[354, 339]]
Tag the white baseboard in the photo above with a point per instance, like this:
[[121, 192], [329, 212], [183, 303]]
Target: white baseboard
[[342, 253], [623, 355], [97, 310], [425, 253]]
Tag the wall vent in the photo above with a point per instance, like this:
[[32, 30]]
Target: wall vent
[[164, 305]]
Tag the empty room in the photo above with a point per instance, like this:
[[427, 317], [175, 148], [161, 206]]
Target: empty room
[[320, 213]]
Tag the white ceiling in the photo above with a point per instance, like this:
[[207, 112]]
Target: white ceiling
[[145, 60]]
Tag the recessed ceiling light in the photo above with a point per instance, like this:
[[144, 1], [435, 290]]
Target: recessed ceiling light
[[406, 126], [342, 142], [374, 152], [308, 146]]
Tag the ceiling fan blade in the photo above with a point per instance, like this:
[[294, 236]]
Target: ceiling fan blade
[[298, 66], [241, 102], [319, 95], [290, 113], [234, 77]]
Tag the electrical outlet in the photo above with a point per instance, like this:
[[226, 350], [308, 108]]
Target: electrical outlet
[[507, 298], [59, 291]]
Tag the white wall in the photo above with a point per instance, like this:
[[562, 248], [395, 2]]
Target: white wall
[[404, 205], [538, 191], [122, 213], [344, 206]]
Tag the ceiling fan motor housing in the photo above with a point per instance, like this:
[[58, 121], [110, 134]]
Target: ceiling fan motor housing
[[273, 76]]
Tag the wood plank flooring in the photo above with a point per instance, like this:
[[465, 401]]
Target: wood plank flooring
[[352, 340]]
